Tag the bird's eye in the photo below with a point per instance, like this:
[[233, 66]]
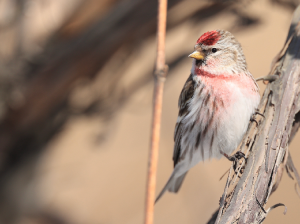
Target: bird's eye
[[214, 50]]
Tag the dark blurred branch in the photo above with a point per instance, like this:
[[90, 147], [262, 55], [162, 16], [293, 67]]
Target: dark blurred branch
[[50, 77]]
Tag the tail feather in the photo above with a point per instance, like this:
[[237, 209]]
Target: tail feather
[[173, 185]]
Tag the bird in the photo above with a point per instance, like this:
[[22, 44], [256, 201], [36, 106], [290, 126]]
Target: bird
[[215, 105]]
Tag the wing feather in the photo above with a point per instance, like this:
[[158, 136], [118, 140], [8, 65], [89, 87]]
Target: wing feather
[[183, 104]]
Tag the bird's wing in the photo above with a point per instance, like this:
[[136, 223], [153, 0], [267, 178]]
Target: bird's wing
[[183, 104]]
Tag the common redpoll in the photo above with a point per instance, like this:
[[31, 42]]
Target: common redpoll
[[215, 104]]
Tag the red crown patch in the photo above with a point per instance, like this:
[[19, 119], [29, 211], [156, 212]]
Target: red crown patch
[[209, 38]]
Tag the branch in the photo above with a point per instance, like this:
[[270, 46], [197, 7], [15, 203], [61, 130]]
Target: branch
[[160, 76], [266, 145]]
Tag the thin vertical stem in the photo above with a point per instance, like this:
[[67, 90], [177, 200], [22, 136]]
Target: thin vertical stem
[[160, 75]]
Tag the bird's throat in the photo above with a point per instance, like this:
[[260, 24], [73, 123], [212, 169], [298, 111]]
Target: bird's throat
[[224, 82]]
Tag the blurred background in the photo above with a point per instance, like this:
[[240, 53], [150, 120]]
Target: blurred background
[[76, 89]]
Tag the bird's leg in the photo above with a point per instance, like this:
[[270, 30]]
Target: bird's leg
[[237, 156]]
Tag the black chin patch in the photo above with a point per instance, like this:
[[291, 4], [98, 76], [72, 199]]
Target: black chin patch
[[199, 62]]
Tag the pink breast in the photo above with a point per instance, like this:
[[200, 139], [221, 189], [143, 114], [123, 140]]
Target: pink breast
[[228, 87]]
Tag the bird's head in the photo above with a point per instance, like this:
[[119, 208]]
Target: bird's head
[[218, 52]]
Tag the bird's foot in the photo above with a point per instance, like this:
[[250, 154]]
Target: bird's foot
[[267, 78], [237, 156], [253, 117], [235, 159]]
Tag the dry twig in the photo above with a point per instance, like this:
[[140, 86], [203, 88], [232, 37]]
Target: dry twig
[[160, 76]]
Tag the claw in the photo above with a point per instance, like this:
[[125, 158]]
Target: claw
[[239, 155], [253, 119], [256, 112], [253, 116]]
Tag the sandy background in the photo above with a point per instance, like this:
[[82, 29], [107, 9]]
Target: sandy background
[[85, 177]]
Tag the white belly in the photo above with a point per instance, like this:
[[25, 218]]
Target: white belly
[[220, 129]]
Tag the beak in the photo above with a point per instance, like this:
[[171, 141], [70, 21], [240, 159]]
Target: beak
[[197, 55]]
